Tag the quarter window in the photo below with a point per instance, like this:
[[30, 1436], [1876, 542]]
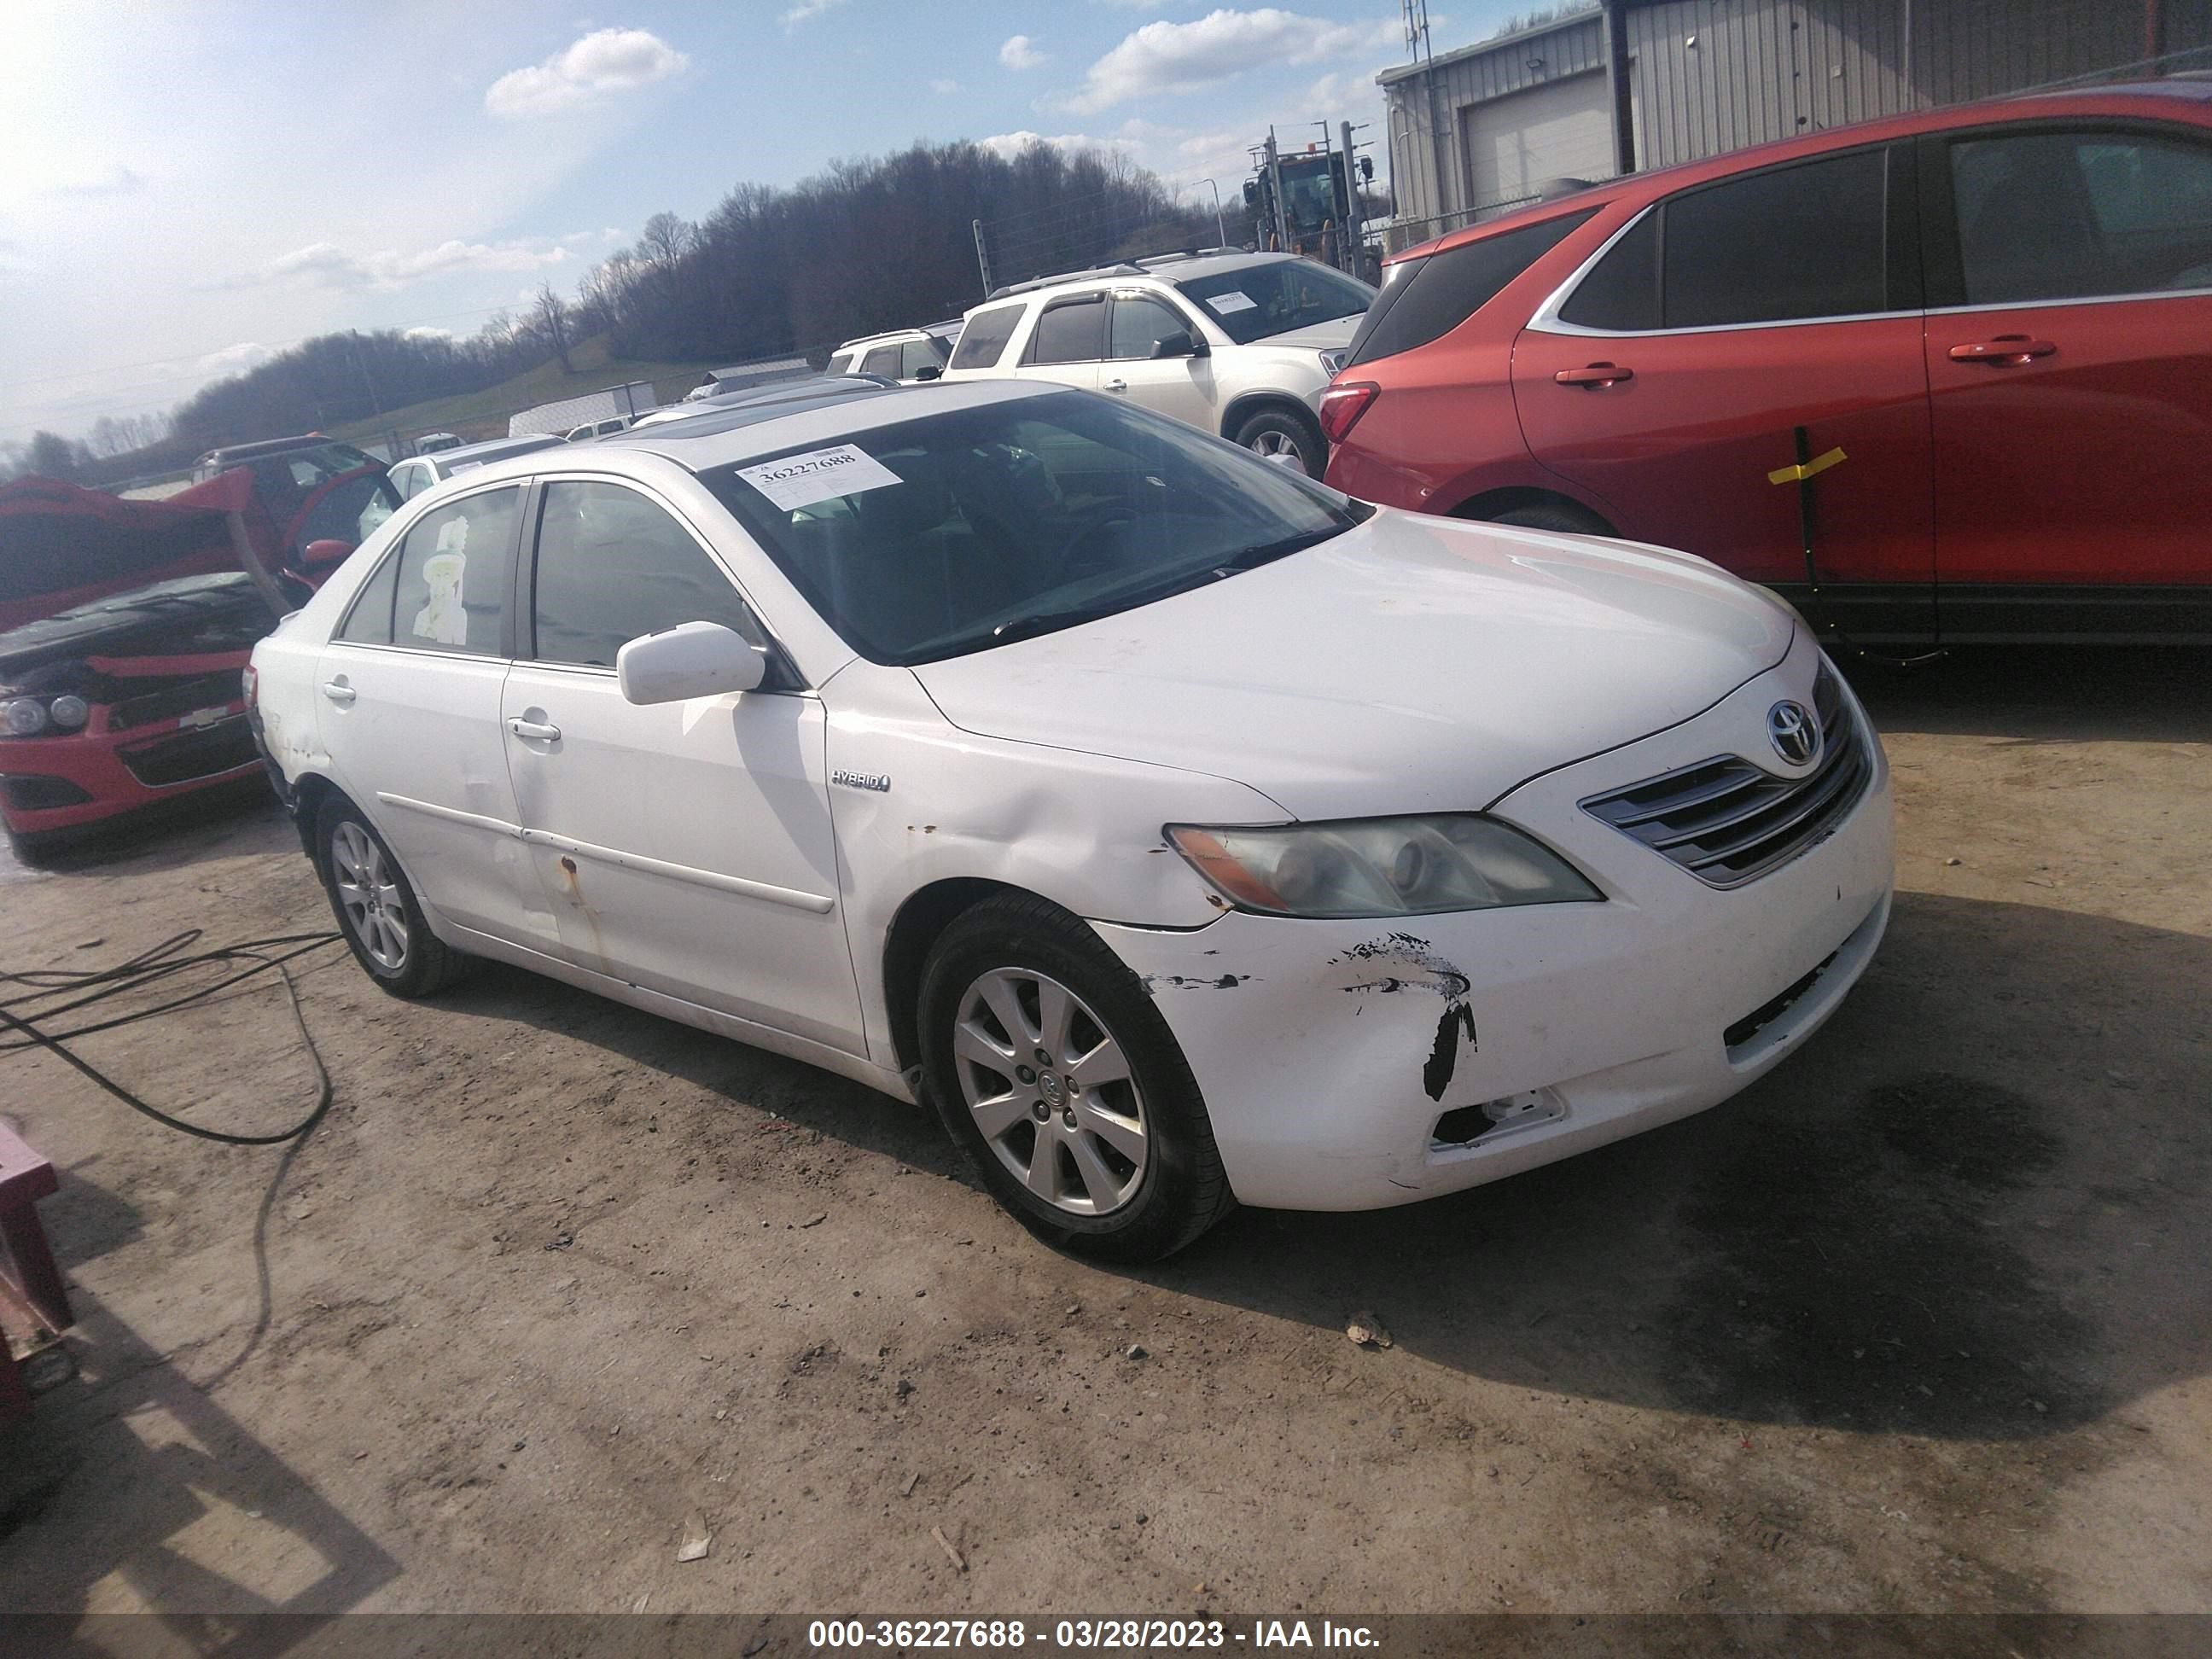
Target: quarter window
[[1071, 332], [1426, 299], [369, 622], [612, 566], [452, 575], [983, 337], [2059, 215]]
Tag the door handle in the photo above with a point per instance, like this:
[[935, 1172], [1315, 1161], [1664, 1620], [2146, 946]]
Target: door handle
[[2004, 349], [1596, 374], [339, 692], [1116, 385], [534, 731]]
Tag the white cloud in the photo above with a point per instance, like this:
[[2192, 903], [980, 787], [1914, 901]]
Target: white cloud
[[943, 86], [115, 181], [324, 264], [1008, 145], [1020, 53], [425, 332], [1169, 58], [231, 360], [806, 10], [603, 61]]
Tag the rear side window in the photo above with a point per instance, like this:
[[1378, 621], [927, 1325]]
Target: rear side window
[[1426, 299], [1804, 241], [2059, 215], [452, 575], [612, 566], [983, 337], [1071, 332]]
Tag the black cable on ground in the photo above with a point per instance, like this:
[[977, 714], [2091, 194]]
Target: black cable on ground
[[149, 968]]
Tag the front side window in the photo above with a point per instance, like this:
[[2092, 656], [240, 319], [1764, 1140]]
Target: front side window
[[884, 360], [1071, 332], [973, 527], [1140, 323], [983, 337], [453, 574], [1256, 300], [612, 566], [1787, 244], [841, 362], [915, 355], [2060, 216]]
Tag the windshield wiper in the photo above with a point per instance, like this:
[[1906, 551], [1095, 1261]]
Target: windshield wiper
[[1047, 621]]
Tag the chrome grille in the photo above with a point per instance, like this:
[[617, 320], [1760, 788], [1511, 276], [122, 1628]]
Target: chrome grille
[[1727, 821]]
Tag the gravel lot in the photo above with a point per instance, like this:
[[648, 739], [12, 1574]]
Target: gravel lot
[[1920, 1322]]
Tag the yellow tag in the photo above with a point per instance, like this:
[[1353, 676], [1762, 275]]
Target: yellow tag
[[1798, 474]]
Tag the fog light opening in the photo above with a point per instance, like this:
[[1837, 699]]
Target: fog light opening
[[1465, 1125]]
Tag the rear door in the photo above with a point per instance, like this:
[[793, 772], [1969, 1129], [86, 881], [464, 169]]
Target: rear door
[[1181, 386], [682, 846], [2069, 358], [1731, 333], [408, 706], [1067, 341]]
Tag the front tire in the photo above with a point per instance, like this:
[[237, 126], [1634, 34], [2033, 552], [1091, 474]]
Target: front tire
[[1278, 434], [376, 907], [1053, 1072]]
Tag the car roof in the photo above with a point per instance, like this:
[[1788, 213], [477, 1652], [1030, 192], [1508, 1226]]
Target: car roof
[[272, 446], [720, 435], [491, 449], [1169, 268], [2122, 99]]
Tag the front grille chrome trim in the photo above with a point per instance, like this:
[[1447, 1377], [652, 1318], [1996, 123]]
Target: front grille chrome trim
[[1728, 821]]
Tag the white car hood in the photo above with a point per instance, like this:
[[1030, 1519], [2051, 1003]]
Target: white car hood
[[1321, 336], [1412, 664]]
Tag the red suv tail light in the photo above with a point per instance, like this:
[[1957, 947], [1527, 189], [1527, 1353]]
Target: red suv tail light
[[1341, 406]]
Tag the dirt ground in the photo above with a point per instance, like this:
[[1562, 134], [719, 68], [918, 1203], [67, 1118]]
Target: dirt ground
[[1919, 1322]]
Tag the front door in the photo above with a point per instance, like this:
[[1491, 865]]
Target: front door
[[408, 708], [1181, 386], [685, 846], [2069, 358], [1734, 334]]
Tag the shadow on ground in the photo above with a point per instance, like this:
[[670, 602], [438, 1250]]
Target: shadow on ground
[[2029, 695], [1934, 1219]]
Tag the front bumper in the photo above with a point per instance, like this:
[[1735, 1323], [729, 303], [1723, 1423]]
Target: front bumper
[[67, 781], [1329, 1052]]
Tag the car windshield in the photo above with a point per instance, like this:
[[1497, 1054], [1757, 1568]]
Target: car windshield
[[1275, 297], [973, 527]]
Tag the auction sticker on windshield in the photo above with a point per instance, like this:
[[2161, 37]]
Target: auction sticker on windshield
[[798, 481], [1232, 300]]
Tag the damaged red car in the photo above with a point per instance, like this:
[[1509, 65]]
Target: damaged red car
[[125, 627]]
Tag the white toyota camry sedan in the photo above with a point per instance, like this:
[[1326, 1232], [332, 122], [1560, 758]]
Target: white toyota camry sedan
[[1180, 831]]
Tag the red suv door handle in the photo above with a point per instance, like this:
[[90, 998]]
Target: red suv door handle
[[1596, 374], [2013, 349]]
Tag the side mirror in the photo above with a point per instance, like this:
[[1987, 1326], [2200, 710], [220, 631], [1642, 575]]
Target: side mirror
[[1180, 344], [326, 555], [928, 372], [695, 659]]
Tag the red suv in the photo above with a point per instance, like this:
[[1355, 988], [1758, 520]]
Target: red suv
[[1950, 371]]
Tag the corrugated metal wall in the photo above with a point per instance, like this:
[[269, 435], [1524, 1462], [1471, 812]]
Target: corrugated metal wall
[[1427, 150], [1709, 76]]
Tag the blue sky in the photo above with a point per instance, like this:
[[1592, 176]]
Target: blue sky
[[193, 186]]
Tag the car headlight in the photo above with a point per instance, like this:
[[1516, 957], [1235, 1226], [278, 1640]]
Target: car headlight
[[1398, 866], [23, 717], [69, 711]]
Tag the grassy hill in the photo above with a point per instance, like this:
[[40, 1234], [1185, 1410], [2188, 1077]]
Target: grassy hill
[[483, 414]]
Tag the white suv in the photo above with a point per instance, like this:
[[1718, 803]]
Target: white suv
[[1241, 344], [907, 354]]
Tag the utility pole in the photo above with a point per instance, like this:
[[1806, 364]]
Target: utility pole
[[982, 256], [1355, 228], [1220, 227]]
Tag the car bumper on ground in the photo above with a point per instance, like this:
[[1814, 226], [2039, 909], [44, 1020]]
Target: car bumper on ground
[[1354, 1065]]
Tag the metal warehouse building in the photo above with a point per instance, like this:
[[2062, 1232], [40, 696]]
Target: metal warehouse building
[[1646, 83]]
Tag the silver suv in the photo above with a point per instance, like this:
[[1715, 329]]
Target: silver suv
[[1237, 343]]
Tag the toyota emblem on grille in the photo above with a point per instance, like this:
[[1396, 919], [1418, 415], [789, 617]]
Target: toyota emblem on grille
[[1795, 733]]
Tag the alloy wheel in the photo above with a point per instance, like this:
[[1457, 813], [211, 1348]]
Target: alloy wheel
[[1269, 445], [1052, 1092], [369, 895]]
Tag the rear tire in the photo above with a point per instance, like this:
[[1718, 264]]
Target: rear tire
[[1556, 515], [1103, 1149], [1273, 432], [376, 909]]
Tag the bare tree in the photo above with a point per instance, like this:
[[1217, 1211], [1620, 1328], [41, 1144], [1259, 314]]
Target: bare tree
[[549, 320]]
